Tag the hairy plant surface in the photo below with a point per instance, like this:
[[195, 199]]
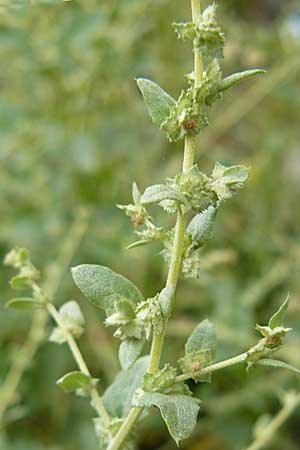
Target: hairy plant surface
[[237, 257]]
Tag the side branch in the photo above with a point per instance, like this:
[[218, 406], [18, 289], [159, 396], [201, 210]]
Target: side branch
[[213, 367], [37, 329], [97, 402]]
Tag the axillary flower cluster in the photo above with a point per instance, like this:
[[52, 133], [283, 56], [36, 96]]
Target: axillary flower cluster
[[195, 198]]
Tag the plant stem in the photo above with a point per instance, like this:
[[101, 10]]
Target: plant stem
[[270, 430], [198, 63], [176, 255], [97, 402], [37, 329], [177, 250], [127, 426], [214, 367], [173, 274], [22, 361]]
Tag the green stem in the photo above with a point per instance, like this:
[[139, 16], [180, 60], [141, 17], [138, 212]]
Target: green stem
[[22, 361], [176, 258], [213, 367], [177, 250], [97, 402], [189, 153], [198, 63], [270, 430], [126, 428], [176, 255], [36, 334]]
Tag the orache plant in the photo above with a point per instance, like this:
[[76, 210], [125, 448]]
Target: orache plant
[[195, 199]]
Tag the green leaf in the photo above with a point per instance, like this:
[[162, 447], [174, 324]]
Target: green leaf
[[165, 300], [136, 195], [178, 411], [277, 363], [194, 362], [200, 227], [140, 243], [17, 257], [124, 318], [129, 351], [103, 287], [125, 308], [186, 117], [200, 351], [236, 78], [57, 336], [164, 382], [159, 192], [73, 381], [23, 303], [232, 175], [73, 318], [118, 396], [185, 30], [71, 312], [226, 180], [202, 338], [20, 282], [157, 100], [277, 318]]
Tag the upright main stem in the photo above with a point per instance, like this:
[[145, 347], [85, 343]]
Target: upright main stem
[[176, 255], [177, 250]]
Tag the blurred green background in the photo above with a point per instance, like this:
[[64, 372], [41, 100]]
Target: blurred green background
[[74, 134]]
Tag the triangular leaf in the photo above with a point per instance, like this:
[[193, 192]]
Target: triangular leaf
[[20, 282], [103, 287], [230, 175], [71, 312], [159, 192], [277, 363], [236, 78], [200, 227], [166, 300], [129, 351], [117, 397], [136, 195], [57, 336], [23, 303], [202, 338], [226, 180], [140, 243], [277, 318], [157, 100], [73, 381], [178, 411]]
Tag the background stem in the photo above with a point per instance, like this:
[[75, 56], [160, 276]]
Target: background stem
[[36, 334], [270, 431]]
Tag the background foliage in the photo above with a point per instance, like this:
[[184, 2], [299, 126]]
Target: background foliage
[[74, 133]]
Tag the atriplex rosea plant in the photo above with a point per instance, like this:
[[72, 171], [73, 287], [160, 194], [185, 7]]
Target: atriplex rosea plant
[[195, 199]]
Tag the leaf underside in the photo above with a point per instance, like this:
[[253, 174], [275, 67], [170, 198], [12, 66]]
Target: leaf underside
[[130, 349], [117, 397]]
